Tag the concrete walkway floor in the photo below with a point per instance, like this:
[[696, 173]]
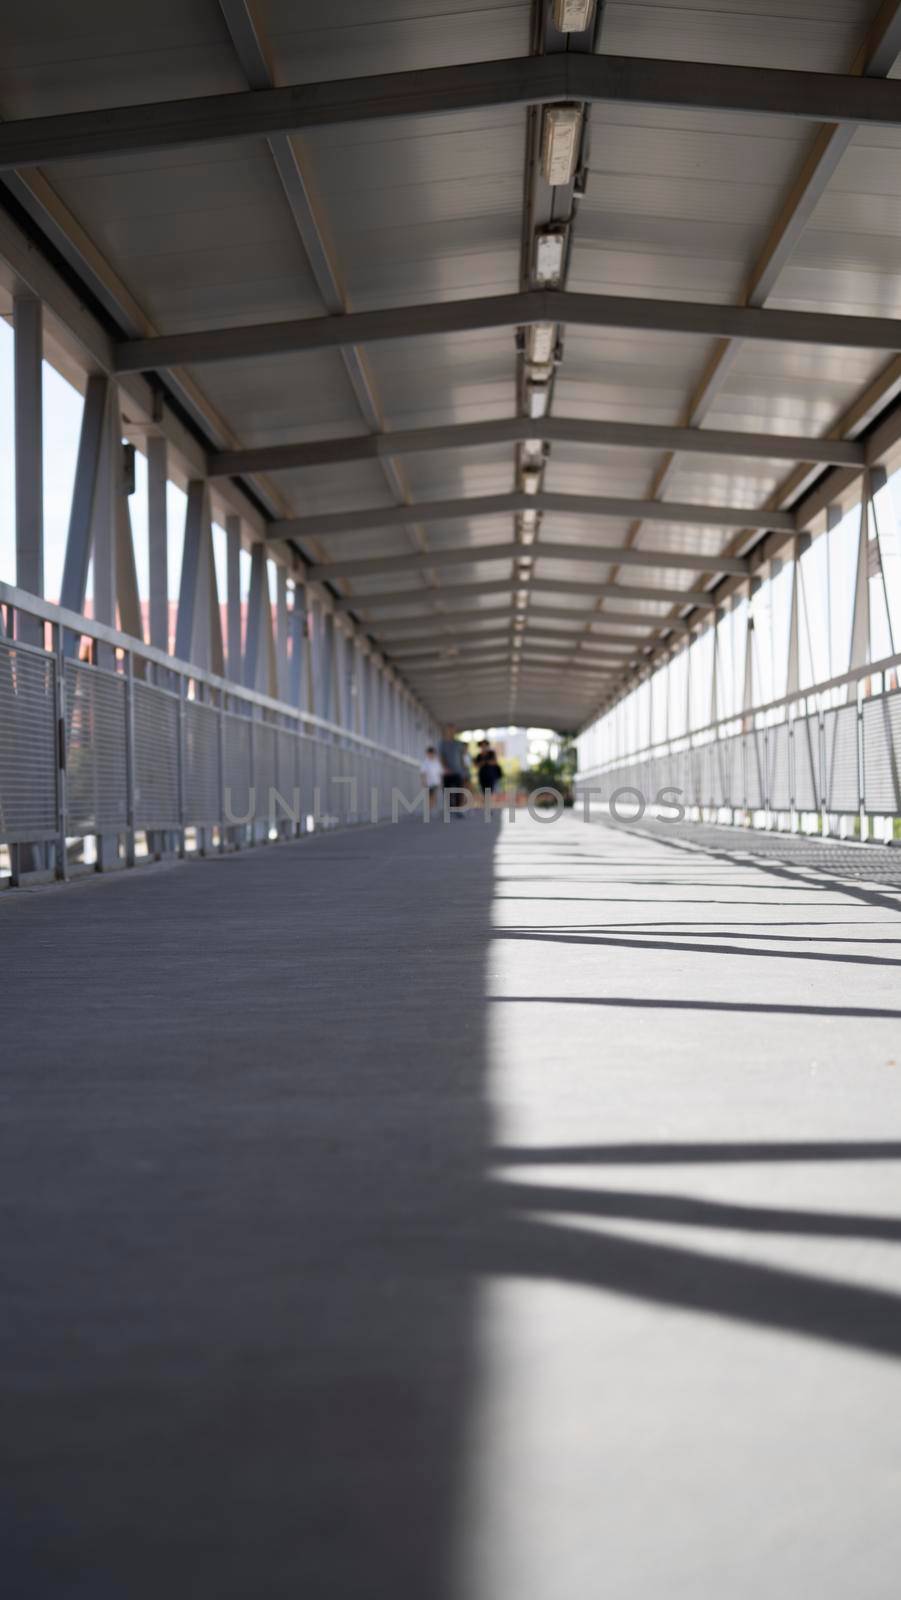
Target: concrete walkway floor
[[454, 1213]]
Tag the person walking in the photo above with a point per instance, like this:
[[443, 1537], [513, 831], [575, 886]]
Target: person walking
[[454, 767], [488, 772], [432, 776]]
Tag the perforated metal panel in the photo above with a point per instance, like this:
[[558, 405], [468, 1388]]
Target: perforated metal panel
[[288, 774], [28, 744], [882, 753], [264, 768], [755, 755], [306, 774], [733, 771], [842, 784], [704, 770], [720, 784], [96, 780], [201, 730], [778, 768], [236, 766], [806, 763], [155, 757]]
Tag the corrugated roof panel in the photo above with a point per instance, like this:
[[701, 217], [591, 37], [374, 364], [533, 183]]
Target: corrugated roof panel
[[791, 388], [59, 57], [350, 38], [808, 35]]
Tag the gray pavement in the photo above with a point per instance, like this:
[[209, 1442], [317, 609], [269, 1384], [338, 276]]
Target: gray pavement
[[465, 1212]]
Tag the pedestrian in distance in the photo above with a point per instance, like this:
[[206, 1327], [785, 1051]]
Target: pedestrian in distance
[[488, 772], [432, 776], [454, 767]]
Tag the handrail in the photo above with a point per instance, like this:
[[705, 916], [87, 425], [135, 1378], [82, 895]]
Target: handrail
[[74, 622]]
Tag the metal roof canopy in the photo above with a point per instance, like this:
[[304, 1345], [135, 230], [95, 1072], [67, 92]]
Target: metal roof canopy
[[377, 273]]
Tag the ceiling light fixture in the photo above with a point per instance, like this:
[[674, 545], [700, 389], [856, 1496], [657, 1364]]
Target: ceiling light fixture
[[550, 246], [572, 16], [531, 480], [561, 136]]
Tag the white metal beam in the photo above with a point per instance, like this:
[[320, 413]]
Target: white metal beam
[[158, 539], [469, 555], [575, 505], [561, 430], [29, 456], [586, 590], [709, 86], [512, 310]]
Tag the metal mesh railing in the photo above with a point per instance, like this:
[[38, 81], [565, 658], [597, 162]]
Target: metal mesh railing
[[96, 764], [146, 743], [203, 799], [840, 761], [882, 753], [156, 757], [29, 781]]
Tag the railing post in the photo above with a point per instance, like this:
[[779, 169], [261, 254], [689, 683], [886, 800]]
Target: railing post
[[825, 827], [863, 821], [220, 756], [129, 760], [252, 792], [59, 673], [182, 686]]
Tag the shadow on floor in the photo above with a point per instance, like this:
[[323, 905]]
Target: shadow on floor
[[245, 1147]]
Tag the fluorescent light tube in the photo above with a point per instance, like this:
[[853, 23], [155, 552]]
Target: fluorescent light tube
[[541, 342], [537, 399], [549, 247], [561, 134]]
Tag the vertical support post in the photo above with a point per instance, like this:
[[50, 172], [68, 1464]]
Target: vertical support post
[[281, 631], [339, 684], [860, 622], [877, 481], [297, 631], [256, 620], [104, 519], [78, 542], [192, 640], [158, 540], [860, 638], [29, 457], [233, 600]]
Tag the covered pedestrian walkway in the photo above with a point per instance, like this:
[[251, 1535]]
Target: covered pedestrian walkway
[[489, 1210], [505, 1209]]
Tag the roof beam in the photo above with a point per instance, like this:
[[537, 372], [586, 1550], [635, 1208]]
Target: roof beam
[[505, 311], [397, 629], [427, 643], [469, 555], [553, 645], [494, 505], [557, 430], [699, 85], [615, 591], [534, 664]]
